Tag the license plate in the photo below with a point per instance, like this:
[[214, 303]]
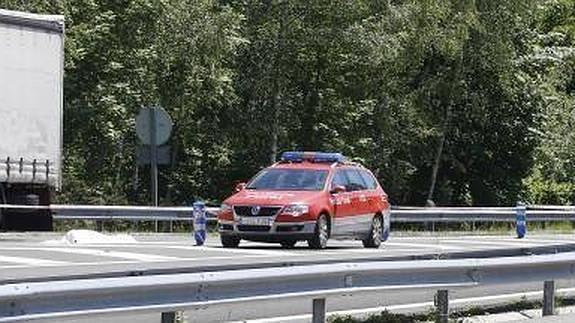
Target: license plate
[[255, 221]]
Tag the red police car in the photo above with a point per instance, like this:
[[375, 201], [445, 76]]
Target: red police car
[[307, 196]]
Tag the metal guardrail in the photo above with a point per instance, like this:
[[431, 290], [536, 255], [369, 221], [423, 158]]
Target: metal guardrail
[[398, 214], [479, 215], [283, 286], [136, 213], [116, 212]]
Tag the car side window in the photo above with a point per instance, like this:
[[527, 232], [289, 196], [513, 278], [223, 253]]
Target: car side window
[[368, 179], [339, 179], [356, 182]]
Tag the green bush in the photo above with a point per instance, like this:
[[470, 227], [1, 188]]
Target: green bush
[[538, 190], [384, 316]]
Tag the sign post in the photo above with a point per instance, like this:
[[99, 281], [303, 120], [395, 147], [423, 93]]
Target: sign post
[[153, 156], [153, 127]]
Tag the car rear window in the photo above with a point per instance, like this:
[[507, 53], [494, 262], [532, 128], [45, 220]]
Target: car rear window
[[289, 179]]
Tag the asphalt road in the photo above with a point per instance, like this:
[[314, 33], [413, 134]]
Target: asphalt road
[[42, 256]]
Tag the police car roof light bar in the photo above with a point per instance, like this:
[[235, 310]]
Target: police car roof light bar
[[315, 157]]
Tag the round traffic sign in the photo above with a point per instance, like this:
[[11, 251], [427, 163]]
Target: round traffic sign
[[163, 125]]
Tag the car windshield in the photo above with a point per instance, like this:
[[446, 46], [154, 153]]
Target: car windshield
[[289, 180]]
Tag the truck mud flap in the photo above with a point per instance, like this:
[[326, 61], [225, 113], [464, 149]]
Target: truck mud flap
[[36, 221]]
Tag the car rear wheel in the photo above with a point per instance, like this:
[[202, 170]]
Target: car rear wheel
[[288, 244], [375, 235], [320, 235], [229, 241]]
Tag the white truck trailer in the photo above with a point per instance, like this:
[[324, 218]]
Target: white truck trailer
[[31, 116]]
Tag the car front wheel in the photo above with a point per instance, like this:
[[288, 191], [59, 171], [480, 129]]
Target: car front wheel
[[288, 244], [375, 235], [320, 235], [230, 242]]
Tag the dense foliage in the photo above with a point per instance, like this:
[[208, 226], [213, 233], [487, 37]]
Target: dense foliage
[[458, 101]]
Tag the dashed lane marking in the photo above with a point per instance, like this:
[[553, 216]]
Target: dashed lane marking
[[31, 261]]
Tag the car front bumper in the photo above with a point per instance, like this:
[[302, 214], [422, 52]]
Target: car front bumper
[[278, 231]]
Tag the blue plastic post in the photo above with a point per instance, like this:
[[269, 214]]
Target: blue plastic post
[[386, 226], [199, 223], [521, 220]]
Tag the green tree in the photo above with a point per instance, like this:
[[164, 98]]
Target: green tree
[[553, 62], [461, 102]]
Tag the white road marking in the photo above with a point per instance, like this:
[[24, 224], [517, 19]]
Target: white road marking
[[31, 261], [104, 263], [491, 243], [239, 250], [542, 241], [117, 254], [104, 253], [423, 245], [115, 245], [382, 250], [248, 249]]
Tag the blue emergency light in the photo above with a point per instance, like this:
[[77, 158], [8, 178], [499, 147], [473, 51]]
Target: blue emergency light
[[316, 157]]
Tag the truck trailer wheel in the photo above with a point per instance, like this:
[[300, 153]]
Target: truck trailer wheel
[[40, 221], [288, 244], [2, 225], [26, 220]]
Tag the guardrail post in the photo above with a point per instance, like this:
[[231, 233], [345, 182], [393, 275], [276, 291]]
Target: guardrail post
[[168, 317], [318, 310], [99, 225], [442, 306], [549, 298], [521, 219]]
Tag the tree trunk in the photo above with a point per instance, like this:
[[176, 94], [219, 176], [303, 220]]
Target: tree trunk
[[277, 86], [275, 122], [438, 155]]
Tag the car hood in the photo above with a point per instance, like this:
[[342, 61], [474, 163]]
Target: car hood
[[260, 197]]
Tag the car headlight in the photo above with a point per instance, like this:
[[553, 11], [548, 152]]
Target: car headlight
[[296, 209], [225, 208]]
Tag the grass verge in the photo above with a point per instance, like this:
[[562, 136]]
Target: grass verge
[[455, 316]]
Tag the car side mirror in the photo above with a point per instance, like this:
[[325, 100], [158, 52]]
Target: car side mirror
[[338, 189], [240, 186]]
